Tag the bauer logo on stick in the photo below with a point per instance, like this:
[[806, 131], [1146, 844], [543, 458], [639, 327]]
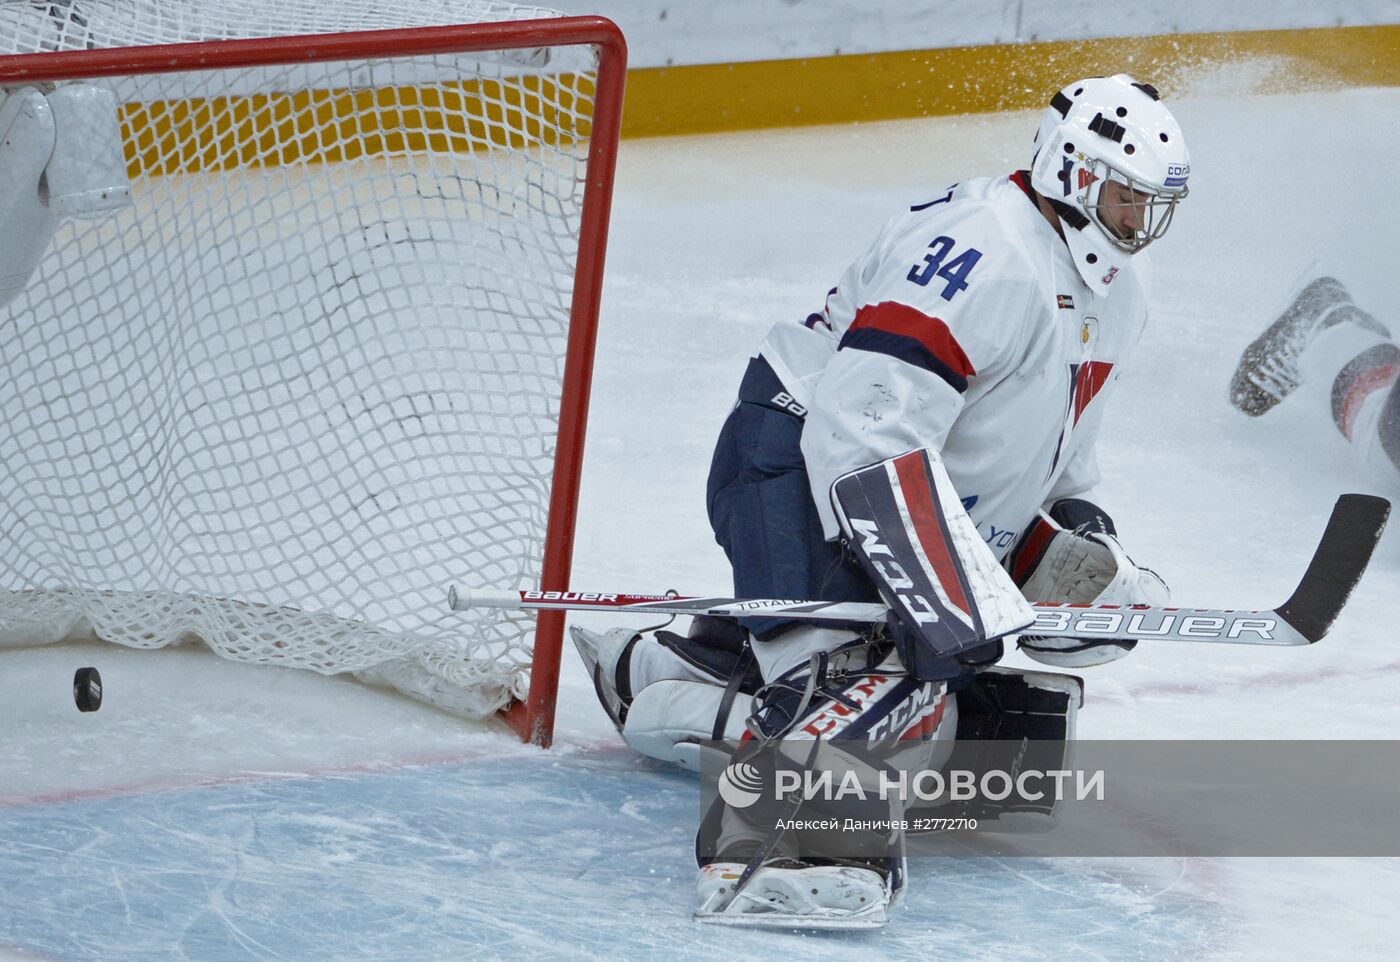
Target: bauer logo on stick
[[567, 596]]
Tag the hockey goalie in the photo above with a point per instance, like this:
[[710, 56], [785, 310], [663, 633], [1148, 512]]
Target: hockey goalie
[[926, 440]]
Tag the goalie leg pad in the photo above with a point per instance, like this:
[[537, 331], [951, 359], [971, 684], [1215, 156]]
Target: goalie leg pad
[[713, 648], [858, 692], [663, 691], [1009, 704], [603, 653], [670, 720], [824, 718], [782, 653], [1036, 709]]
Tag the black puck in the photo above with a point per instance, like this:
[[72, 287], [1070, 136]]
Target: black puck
[[87, 689]]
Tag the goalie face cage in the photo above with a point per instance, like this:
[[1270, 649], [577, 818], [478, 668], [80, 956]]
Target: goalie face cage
[[337, 353]]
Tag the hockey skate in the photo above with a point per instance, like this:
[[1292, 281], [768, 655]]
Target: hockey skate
[[1268, 370], [787, 893], [601, 654]]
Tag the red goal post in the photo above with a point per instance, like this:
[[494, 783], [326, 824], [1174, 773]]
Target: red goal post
[[533, 715]]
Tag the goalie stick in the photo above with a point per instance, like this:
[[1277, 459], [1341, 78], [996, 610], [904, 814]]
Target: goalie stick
[[1337, 565]]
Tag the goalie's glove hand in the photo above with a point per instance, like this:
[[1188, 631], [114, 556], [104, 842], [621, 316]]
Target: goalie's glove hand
[[1082, 566]]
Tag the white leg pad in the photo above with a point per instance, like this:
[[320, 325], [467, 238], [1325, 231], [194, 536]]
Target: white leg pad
[[794, 647], [668, 719], [651, 662]]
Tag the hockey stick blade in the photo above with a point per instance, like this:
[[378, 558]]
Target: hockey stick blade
[[1341, 557], [1337, 565]]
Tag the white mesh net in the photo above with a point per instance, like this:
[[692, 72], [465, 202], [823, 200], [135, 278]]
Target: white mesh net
[[313, 373]]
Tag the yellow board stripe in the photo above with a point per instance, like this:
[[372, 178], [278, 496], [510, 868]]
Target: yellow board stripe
[[887, 86], [330, 126], [224, 133]]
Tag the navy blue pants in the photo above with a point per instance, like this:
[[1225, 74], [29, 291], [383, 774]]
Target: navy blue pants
[[761, 509]]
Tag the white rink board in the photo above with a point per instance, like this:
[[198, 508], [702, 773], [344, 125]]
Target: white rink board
[[662, 33]]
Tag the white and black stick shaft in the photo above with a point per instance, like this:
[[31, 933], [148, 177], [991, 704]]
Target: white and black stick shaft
[[1337, 565], [1110, 622]]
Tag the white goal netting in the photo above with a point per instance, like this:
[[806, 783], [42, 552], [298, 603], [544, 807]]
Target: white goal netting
[[313, 373]]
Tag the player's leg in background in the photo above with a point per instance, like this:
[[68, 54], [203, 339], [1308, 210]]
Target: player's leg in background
[[1366, 404], [1324, 337]]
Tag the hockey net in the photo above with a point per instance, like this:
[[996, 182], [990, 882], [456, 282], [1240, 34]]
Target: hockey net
[[336, 353]]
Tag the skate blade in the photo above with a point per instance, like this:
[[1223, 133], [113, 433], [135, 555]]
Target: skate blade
[[870, 919]]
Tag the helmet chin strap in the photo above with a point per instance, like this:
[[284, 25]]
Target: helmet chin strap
[[1098, 264], [1070, 214]]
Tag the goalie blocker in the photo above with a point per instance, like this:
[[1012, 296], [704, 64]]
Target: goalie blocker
[[949, 597]]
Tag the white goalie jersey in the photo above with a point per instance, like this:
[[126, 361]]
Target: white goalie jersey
[[964, 329]]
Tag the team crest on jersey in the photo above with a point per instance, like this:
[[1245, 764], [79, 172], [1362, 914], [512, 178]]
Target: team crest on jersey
[[1064, 302], [1085, 380], [1088, 330]]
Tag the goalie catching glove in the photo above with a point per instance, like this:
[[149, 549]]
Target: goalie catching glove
[[1072, 556]]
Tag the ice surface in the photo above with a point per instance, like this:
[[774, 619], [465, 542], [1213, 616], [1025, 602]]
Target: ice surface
[[586, 856], [213, 810]]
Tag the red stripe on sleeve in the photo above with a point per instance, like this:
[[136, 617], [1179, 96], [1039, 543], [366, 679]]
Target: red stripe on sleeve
[[918, 497], [895, 318]]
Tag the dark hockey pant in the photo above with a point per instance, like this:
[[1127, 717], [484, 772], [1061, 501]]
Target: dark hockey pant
[[761, 508]]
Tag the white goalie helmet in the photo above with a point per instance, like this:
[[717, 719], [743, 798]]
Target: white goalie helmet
[[1106, 130]]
